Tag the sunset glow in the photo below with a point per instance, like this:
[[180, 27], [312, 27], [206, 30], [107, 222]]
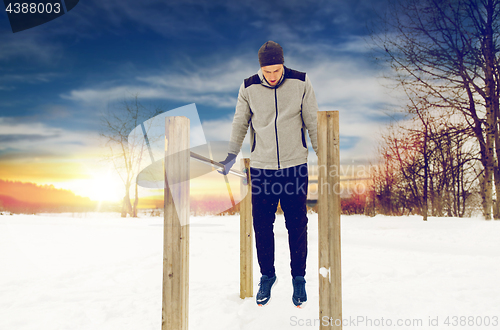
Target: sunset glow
[[101, 187]]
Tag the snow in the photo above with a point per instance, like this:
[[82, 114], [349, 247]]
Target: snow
[[326, 272], [103, 272]]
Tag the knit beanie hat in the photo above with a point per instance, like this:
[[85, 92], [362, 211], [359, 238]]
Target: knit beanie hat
[[271, 53]]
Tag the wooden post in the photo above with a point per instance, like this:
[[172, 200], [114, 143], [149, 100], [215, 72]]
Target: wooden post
[[246, 235], [176, 225], [330, 279]]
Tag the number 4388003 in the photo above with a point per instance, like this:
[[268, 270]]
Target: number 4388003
[[33, 8]]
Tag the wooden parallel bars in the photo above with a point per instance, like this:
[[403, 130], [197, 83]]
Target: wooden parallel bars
[[330, 278], [175, 298]]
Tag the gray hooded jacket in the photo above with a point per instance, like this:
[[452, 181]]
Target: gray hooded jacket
[[278, 117]]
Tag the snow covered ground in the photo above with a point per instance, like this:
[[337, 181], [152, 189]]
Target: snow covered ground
[[101, 272]]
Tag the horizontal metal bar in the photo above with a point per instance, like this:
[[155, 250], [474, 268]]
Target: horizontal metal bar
[[313, 181], [206, 160]]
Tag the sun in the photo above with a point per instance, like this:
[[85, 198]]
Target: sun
[[100, 185], [105, 187]]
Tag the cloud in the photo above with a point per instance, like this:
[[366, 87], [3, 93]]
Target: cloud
[[102, 96], [222, 77], [194, 18], [29, 78], [42, 141], [350, 86], [11, 154], [167, 18], [30, 46], [345, 45], [10, 125], [215, 86], [219, 129], [6, 138], [25, 54]]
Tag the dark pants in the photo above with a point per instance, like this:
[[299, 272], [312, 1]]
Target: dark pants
[[289, 187]]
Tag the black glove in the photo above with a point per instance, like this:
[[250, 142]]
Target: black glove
[[228, 163]]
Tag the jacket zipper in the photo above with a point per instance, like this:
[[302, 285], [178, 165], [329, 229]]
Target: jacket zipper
[[276, 127]]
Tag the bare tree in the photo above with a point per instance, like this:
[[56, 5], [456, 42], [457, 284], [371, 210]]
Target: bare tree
[[117, 121], [427, 166], [447, 51]]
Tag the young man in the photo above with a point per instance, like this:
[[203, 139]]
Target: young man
[[278, 104]]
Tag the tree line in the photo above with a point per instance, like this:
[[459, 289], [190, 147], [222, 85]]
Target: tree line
[[442, 159]]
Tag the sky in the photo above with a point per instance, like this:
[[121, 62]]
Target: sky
[[56, 79]]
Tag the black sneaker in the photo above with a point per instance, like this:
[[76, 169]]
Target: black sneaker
[[299, 297], [266, 284]]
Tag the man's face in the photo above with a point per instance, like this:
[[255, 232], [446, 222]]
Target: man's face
[[272, 73]]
